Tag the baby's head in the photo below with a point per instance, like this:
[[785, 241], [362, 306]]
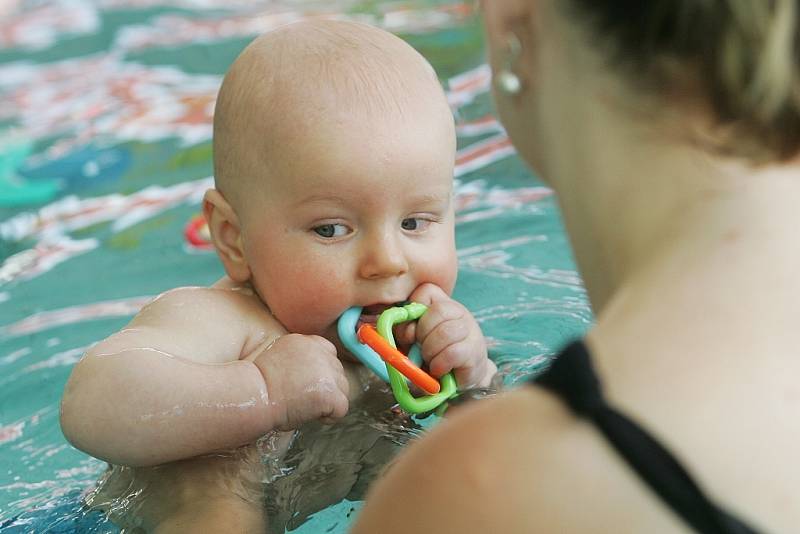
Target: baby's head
[[334, 149]]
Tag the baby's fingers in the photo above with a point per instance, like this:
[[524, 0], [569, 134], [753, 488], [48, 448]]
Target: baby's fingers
[[405, 334], [338, 410], [458, 357], [445, 328], [336, 401], [427, 294]]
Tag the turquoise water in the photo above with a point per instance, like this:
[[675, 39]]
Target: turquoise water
[[110, 104]]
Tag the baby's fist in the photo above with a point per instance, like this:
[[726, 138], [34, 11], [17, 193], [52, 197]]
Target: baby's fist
[[305, 381], [451, 339]]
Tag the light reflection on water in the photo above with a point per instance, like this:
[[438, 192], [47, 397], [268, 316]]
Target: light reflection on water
[[327, 464]]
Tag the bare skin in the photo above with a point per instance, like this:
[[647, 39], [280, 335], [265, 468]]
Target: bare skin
[[690, 264], [325, 200]]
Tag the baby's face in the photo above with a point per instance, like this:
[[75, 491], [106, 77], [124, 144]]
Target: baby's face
[[354, 213]]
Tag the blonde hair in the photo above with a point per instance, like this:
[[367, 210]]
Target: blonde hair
[[743, 54]]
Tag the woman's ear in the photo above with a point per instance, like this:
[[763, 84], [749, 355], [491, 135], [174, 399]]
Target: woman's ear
[[226, 234], [512, 35], [502, 17]]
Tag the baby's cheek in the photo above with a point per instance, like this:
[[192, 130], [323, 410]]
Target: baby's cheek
[[315, 301], [442, 271]]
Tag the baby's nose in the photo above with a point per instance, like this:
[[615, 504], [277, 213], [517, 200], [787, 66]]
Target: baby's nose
[[383, 257]]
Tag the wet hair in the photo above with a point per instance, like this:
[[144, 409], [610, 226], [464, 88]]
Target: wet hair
[[743, 55]]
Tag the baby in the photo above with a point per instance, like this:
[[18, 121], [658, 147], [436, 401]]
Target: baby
[[333, 159]]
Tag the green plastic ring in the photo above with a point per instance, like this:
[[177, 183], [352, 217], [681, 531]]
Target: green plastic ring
[[427, 403]]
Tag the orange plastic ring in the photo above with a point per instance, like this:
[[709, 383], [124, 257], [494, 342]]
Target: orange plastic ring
[[369, 336]]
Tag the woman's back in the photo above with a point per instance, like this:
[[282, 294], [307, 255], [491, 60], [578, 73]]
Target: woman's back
[[703, 352], [713, 378]]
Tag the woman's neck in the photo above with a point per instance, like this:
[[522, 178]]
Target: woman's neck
[[633, 203]]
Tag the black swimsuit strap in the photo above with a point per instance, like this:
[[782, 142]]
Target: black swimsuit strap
[[572, 378]]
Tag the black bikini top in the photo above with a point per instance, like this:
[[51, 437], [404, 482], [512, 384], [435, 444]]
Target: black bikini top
[[572, 378]]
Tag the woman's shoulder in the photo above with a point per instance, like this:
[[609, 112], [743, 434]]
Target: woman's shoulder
[[519, 462]]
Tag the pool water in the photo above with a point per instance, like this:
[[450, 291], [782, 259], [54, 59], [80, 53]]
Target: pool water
[[105, 126]]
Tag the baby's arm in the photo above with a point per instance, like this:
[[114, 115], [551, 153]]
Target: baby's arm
[[197, 371], [450, 338]]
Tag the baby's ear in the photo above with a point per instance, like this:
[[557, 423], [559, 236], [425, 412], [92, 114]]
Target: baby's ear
[[226, 234]]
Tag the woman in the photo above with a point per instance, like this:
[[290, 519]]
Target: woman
[[670, 130]]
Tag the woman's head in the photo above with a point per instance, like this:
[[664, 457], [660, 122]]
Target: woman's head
[[738, 59]]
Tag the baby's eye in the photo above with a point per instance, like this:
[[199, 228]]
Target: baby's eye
[[414, 224], [329, 231]]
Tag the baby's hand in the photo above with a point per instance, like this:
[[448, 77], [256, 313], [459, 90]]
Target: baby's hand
[[305, 381], [450, 338]]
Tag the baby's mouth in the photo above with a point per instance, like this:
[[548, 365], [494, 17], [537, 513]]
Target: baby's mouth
[[370, 314]]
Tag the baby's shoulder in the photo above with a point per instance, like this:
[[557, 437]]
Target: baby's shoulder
[[218, 301], [209, 324], [220, 309]]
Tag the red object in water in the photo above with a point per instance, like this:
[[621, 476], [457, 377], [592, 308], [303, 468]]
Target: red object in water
[[193, 233]]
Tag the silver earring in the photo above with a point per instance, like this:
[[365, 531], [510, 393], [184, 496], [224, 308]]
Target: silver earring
[[507, 81]]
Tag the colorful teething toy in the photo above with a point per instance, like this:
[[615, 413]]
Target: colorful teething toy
[[393, 357], [377, 350]]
